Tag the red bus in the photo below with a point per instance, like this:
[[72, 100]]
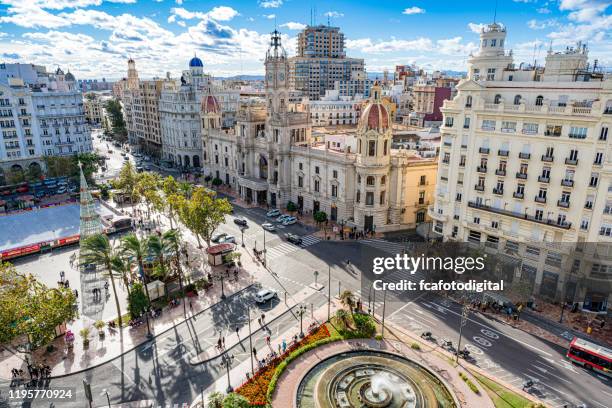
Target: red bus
[[591, 356]]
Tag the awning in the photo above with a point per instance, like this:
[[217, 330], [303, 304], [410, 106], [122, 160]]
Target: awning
[[220, 248], [253, 183]]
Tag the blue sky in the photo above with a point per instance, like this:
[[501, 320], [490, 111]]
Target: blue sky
[[94, 38]]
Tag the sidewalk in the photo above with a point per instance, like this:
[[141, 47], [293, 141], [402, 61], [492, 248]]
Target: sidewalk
[[234, 339]]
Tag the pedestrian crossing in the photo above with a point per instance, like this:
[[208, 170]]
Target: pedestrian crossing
[[286, 248], [386, 246]]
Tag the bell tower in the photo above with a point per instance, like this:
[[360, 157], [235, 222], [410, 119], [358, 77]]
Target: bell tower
[[277, 70]]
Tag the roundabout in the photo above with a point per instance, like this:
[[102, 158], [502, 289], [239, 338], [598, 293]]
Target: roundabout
[[371, 379]]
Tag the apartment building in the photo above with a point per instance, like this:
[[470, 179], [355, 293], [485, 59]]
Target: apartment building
[[94, 108], [525, 169], [41, 118], [321, 61]]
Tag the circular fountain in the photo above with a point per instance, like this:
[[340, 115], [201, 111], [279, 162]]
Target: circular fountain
[[371, 379]]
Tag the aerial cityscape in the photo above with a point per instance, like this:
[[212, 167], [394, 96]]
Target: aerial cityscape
[[270, 203]]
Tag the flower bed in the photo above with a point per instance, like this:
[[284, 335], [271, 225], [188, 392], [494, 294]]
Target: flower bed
[[256, 388]]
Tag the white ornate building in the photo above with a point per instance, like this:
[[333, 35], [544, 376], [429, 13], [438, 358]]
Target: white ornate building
[[179, 110], [526, 168], [43, 118], [270, 157]]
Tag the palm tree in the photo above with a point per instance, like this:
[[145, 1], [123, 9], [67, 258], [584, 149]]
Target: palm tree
[[172, 242], [136, 249], [346, 298], [98, 250]]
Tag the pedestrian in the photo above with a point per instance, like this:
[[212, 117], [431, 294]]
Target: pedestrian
[[237, 332], [268, 340], [76, 293], [263, 318], [219, 343], [254, 352], [190, 306], [223, 340], [259, 320], [279, 349], [284, 345]]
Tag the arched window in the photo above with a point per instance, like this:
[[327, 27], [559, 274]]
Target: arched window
[[497, 99], [383, 180], [539, 100], [517, 99], [468, 101]]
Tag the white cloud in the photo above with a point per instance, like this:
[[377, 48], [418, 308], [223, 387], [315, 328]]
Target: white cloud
[[542, 24], [413, 10], [333, 14], [270, 3], [270, 16], [293, 25], [451, 46], [543, 10], [179, 2], [476, 27], [219, 13], [589, 22], [222, 13]]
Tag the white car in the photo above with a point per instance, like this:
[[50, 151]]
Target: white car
[[268, 226], [282, 218], [218, 237], [264, 295], [273, 213], [228, 239], [289, 221]]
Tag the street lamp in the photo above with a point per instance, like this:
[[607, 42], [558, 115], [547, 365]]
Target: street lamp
[[328, 292], [301, 310], [105, 391], [382, 334], [251, 343], [464, 316], [226, 361], [222, 289]]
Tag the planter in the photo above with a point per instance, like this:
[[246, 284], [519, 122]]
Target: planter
[[85, 344], [101, 334]]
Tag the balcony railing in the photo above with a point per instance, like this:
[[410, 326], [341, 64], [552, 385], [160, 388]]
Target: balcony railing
[[563, 204], [544, 179], [546, 158], [508, 130], [504, 153], [481, 169], [571, 162], [577, 136], [516, 194], [567, 183], [500, 172], [479, 187], [525, 156], [522, 176], [554, 134], [484, 150], [539, 199], [498, 191], [523, 216]]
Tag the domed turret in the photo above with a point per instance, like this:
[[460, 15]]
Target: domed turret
[[375, 115], [210, 104], [69, 76], [195, 62]]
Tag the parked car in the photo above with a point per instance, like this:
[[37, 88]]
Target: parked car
[[289, 221], [139, 169], [228, 239], [273, 213], [282, 218], [22, 189], [294, 239], [73, 189], [40, 194], [146, 167], [264, 295], [61, 190], [240, 221], [268, 226], [218, 237]]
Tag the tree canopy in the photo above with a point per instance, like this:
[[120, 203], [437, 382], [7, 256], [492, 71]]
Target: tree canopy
[[27, 306], [203, 212]]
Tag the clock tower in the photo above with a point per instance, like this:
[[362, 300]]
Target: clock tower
[[277, 70]]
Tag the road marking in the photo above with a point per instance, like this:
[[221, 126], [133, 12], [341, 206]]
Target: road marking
[[500, 333]]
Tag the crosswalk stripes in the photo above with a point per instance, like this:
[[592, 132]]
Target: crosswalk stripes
[[286, 248], [386, 246]]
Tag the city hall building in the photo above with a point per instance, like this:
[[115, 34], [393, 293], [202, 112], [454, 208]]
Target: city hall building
[[270, 157]]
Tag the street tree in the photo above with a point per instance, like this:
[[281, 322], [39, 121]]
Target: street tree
[[347, 299], [29, 307], [320, 217], [215, 400], [138, 302], [127, 183], [148, 187], [160, 248], [291, 207], [233, 400], [113, 107], [135, 250], [204, 212], [98, 250], [170, 189]]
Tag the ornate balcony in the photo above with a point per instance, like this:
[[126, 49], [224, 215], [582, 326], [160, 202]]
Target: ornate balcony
[[522, 216]]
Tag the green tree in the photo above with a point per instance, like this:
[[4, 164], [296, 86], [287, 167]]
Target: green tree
[[170, 188], [233, 400], [29, 307], [127, 183], [135, 250], [98, 250], [159, 248], [347, 299], [60, 166], [203, 213], [148, 186], [137, 301], [115, 114], [291, 206], [320, 217], [217, 182]]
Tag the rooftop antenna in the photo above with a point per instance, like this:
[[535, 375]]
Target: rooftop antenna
[[495, 14]]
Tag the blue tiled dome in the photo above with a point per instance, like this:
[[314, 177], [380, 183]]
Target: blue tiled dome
[[195, 62]]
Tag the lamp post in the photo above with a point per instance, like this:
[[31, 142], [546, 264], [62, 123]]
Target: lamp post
[[464, 316], [226, 362], [222, 289], [105, 391], [301, 310], [251, 343], [382, 334], [264, 249], [328, 292]]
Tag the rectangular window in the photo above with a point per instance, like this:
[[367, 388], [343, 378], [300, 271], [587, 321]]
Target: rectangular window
[[488, 124], [369, 198], [372, 148]]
